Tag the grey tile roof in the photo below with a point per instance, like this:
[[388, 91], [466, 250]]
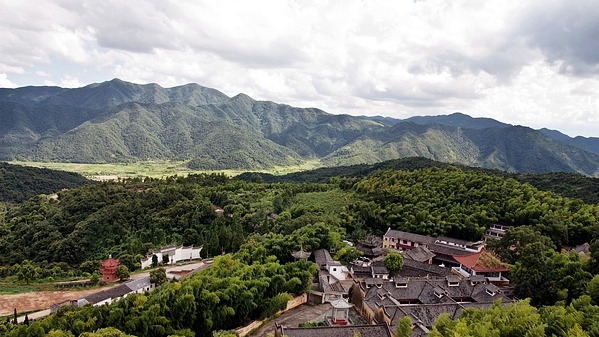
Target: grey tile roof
[[477, 278], [456, 241], [441, 249], [378, 330], [118, 291], [379, 268], [419, 254], [422, 291], [410, 236], [416, 269], [322, 256], [139, 284], [426, 314]]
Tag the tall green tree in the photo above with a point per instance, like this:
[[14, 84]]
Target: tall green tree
[[27, 271], [158, 276], [404, 327], [122, 272], [593, 289], [394, 262]]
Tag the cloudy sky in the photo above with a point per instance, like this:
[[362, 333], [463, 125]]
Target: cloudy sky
[[533, 63]]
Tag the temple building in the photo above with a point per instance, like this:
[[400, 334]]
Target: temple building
[[108, 269]]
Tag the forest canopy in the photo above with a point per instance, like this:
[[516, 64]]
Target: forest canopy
[[261, 223]]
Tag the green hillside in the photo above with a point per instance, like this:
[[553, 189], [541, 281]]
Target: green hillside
[[570, 185], [19, 183], [257, 276], [117, 121]]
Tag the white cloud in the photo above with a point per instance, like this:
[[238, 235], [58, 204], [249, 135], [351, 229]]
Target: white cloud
[[533, 63], [5, 82]]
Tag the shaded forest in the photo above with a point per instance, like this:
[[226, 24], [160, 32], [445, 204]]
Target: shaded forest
[[19, 183]]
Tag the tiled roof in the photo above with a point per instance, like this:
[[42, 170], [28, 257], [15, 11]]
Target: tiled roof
[[410, 236], [441, 249], [139, 284], [419, 302], [118, 291], [482, 261], [419, 254], [415, 269], [97, 297], [322, 256], [110, 262], [377, 330], [301, 254], [422, 291], [379, 268], [452, 240]]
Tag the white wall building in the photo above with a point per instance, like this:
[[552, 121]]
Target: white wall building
[[174, 254]]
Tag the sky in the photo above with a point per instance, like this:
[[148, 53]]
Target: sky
[[532, 63]]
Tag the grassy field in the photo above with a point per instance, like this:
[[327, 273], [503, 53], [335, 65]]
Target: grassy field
[[11, 288], [154, 169]]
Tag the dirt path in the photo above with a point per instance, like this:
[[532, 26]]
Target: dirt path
[[293, 317], [40, 300]]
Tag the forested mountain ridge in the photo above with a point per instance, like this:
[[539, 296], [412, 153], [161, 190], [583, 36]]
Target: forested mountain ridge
[[570, 185], [19, 183], [590, 144], [111, 94], [461, 120], [117, 121]]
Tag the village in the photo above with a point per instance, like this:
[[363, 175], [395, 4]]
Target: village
[[439, 275]]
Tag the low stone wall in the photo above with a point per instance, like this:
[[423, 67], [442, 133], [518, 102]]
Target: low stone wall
[[293, 303]]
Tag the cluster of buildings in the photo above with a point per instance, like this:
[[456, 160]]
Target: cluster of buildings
[[440, 275], [108, 270], [109, 295], [171, 255]]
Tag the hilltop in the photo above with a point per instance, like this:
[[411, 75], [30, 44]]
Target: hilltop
[[117, 121]]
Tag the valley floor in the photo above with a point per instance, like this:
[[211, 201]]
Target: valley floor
[[153, 169]]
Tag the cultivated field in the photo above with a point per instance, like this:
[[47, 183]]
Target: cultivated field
[[154, 169]]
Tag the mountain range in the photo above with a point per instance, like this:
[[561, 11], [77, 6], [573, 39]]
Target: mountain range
[[117, 121]]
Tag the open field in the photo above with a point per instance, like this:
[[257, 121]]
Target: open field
[[154, 169], [34, 299]]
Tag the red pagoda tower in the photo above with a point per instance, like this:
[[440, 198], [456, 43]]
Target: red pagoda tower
[[108, 269]]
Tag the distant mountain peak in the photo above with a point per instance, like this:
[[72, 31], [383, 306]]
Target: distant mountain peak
[[116, 121], [458, 119]]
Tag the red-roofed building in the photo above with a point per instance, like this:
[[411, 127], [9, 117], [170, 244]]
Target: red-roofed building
[[482, 263], [108, 269]]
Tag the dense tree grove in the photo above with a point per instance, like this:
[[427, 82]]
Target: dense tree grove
[[463, 204], [224, 296], [19, 183], [259, 224], [578, 319]]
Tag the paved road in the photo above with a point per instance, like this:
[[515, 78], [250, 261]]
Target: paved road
[[34, 315]]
